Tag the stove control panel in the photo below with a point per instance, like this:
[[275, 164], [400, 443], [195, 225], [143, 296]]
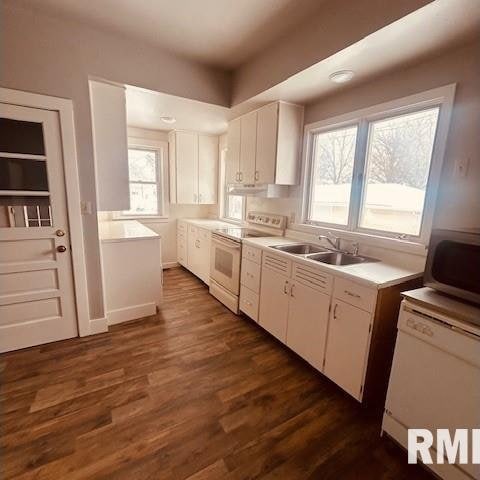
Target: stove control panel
[[267, 220]]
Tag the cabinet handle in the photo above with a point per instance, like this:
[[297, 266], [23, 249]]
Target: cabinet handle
[[350, 294], [291, 290], [335, 311], [194, 198], [237, 176], [285, 287], [200, 198], [257, 175], [240, 176]]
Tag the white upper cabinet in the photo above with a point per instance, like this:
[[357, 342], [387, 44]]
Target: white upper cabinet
[[248, 147], [109, 129], [207, 168], [232, 164], [193, 162], [266, 159], [264, 146]]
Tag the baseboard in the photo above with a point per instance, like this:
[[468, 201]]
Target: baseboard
[[131, 313], [98, 325], [168, 265]]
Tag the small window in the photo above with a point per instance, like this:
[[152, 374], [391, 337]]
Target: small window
[[332, 171], [398, 162], [234, 207], [145, 183]]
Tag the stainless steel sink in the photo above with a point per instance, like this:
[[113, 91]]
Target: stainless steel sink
[[300, 248], [339, 258]]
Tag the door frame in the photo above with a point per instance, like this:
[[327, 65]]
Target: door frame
[[64, 107]]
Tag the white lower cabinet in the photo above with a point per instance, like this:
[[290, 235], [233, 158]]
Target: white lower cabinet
[[274, 300], [307, 323], [297, 307], [347, 347], [193, 250]]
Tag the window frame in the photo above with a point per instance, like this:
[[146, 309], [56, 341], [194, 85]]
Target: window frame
[[442, 98], [159, 149], [223, 188]]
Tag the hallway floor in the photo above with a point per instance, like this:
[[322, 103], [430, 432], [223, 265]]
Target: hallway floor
[[194, 392]]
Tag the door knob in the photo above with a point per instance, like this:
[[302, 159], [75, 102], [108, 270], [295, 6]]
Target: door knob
[[59, 233], [61, 248]]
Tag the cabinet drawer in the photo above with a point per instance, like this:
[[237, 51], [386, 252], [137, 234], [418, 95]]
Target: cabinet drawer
[[181, 235], [252, 253], [181, 226], [312, 277], [182, 251], [277, 263], [249, 302], [355, 294], [192, 230], [250, 275]]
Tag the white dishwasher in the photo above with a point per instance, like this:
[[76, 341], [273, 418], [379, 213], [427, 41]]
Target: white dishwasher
[[435, 380]]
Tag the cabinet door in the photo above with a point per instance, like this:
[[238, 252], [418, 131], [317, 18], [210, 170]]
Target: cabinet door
[[347, 347], [307, 323], [207, 169], [266, 156], [232, 164], [193, 246], [186, 147], [274, 299], [248, 147], [109, 125], [203, 252]]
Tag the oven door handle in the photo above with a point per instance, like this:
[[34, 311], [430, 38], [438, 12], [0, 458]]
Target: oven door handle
[[226, 243]]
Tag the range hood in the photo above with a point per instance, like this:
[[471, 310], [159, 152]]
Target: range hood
[[259, 190]]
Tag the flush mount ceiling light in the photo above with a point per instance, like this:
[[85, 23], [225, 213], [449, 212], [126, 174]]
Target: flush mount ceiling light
[[168, 120], [342, 76]]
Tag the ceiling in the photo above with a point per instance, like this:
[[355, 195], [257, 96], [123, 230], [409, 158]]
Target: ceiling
[[222, 33], [144, 109], [425, 32]]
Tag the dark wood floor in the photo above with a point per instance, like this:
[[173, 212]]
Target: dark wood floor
[[192, 393]]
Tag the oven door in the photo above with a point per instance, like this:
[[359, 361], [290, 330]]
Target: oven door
[[225, 263], [453, 264]]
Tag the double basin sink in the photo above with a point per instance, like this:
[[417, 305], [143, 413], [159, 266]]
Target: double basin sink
[[322, 255]]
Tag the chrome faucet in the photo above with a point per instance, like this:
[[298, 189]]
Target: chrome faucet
[[332, 240]]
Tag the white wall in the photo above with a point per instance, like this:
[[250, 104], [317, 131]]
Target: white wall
[[56, 57]]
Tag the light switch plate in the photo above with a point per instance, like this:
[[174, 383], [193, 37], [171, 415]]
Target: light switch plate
[[86, 207]]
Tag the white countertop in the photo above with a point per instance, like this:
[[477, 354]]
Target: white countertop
[[209, 223], [124, 230], [374, 274]]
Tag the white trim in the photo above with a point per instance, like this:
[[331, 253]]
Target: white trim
[[442, 97], [161, 149], [64, 107], [168, 265], [98, 325], [131, 312]]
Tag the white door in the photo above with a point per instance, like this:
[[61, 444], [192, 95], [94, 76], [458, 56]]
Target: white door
[[266, 157], [274, 299], [207, 169], [307, 323], [36, 283], [187, 167], [248, 147], [232, 165], [347, 347]]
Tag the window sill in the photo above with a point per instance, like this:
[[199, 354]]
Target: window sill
[[231, 220], [389, 243]]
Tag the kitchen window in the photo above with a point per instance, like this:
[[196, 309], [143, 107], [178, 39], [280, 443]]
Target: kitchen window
[[233, 205], [376, 172], [145, 183]]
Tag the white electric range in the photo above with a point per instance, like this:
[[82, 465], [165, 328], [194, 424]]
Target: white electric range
[[226, 254]]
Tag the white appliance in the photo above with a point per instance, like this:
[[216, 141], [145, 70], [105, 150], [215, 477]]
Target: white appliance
[[435, 376], [226, 254]]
